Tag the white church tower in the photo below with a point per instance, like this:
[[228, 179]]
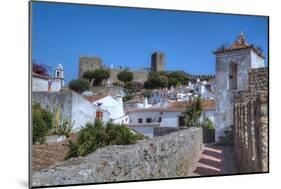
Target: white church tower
[[58, 79], [232, 67]]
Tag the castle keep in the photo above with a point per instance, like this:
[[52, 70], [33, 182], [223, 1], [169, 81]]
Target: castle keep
[[232, 72]]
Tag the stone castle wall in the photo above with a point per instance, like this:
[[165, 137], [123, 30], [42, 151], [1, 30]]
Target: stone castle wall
[[251, 123], [167, 156], [139, 75]]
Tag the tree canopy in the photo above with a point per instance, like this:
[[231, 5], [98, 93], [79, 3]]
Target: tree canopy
[[79, 85], [165, 79], [125, 76], [100, 75]]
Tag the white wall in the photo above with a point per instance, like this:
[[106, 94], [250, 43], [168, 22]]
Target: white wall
[[170, 119], [135, 116], [83, 111], [112, 105], [256, 61], [56, 85], [39, 84]]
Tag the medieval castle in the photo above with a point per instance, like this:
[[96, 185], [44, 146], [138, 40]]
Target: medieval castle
[[158, 63]]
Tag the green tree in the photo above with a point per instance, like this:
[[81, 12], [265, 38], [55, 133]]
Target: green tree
[[79, 85], [125, 76], [100, 75], [175, 78], [156, 80], [89, 75], [193, 113]]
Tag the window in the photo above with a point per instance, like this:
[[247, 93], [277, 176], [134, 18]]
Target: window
[[148, 120], [58, 74], [140, 120], [233, 76], [160, 119], [181, 121]]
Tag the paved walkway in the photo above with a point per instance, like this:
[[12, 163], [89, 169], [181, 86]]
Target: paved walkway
[[215, 160]]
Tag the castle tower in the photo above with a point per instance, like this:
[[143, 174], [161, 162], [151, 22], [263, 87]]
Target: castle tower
[[232, 66], [157, 62], [59, 74], [89, 64]]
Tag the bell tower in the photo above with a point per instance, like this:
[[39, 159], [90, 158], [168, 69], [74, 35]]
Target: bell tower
[[59, 74], [233, 64]]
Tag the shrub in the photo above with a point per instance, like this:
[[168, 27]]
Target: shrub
[[42, 123], [207, 123], [79, 85], [65, 128], [96, 135]]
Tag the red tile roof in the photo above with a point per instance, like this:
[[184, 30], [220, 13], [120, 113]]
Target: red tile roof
[[41, 76], [94, 97], [239, 44], [177, 106]]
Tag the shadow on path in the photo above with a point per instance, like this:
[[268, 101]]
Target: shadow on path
[[215, 160]]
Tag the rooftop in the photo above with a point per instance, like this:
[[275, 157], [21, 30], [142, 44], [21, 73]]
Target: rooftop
[[239, 44]]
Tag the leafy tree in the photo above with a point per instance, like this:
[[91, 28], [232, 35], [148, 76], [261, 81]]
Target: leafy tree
[[177, 78], [79, 85], [193, 113], [96, 135], [125, 76], [132, 86], [156, 80], [100, 75], [42, 123], [89, 75]]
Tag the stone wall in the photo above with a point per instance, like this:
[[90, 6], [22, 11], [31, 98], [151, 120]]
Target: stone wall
[[251, 123], [167, 156]]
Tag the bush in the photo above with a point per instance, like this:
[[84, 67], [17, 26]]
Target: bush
[[42, 123], [65, 128], [79, 85], [96, 135], [207, 123]]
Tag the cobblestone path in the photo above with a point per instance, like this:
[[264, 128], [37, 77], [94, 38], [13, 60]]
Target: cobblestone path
[[215, 160]]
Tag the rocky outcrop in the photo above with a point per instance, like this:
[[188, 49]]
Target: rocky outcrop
[[172, 155]]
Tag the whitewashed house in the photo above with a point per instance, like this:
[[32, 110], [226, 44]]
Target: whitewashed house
[[145, 120], [114, 105]]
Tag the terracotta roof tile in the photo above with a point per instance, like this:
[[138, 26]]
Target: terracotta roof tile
[[94, 97]]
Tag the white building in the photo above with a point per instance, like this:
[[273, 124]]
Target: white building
[[145, 120], [43, 83], [137, 102], [114, 105]]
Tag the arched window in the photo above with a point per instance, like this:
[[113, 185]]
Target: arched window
[[58, 74]]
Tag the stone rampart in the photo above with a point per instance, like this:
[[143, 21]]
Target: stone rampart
[[167, 156], [251, 123]]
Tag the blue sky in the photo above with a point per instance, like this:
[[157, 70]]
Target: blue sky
[[61, 33]]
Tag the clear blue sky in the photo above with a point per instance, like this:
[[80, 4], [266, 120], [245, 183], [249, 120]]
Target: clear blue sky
[[61, 33]]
